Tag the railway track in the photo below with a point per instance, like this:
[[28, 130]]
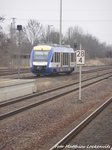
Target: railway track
[[10, 108], [26, 74], [76, 130], [5, 72]]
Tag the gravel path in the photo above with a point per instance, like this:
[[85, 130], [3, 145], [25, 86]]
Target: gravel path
[[39, 128]]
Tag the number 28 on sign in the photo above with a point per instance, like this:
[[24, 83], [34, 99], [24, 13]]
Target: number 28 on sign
[[80, 57]]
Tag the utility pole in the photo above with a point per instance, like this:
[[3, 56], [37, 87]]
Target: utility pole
[[49, 31], [13, 29], [60, 37]]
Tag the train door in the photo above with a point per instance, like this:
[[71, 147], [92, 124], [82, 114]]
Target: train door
[[72, 59], [68, 59], [61, 59], [65, 59]]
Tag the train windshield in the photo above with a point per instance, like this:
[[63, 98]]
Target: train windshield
[[41, 56]]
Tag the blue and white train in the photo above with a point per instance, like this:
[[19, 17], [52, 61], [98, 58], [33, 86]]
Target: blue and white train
[[47, 60]]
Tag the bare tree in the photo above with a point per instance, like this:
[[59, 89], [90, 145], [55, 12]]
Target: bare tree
[[90, 43], [34, 32], [73, 34], [1, 21], [51, 36], [2, 18]]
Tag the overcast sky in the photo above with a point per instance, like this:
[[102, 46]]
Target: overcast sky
[[93, 16]]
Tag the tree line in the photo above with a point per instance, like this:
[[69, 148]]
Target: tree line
[[35, 33]]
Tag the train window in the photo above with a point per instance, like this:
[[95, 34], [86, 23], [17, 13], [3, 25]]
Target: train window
[[56, 57], [65, 58], [41, 55], [72, 57]]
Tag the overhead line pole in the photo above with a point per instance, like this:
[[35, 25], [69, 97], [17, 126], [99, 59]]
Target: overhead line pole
[[13, 29], [60, 37]]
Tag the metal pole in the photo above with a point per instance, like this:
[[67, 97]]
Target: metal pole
[[80, 69], [19, 56], [75, 65], [19, 28], [49, 31], [60, 38]]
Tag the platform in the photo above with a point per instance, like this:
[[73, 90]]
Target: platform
[[13, 88]]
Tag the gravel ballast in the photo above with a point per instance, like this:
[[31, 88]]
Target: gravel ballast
[[41, 127]]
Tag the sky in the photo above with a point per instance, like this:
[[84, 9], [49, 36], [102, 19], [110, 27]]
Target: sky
[[93, 16]]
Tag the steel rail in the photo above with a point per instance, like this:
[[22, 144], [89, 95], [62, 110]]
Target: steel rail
[[67, 138], [19, 99], [19, 110], [14, 72]]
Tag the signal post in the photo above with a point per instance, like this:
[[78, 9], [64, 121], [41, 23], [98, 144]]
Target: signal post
[[80, 60], [19, 28]]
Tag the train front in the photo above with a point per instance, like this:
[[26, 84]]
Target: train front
[[39, 60]]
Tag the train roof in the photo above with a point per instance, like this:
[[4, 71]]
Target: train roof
[[42, 47], [55, 48]]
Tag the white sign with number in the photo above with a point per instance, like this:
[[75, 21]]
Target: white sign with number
[[80, 57]]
